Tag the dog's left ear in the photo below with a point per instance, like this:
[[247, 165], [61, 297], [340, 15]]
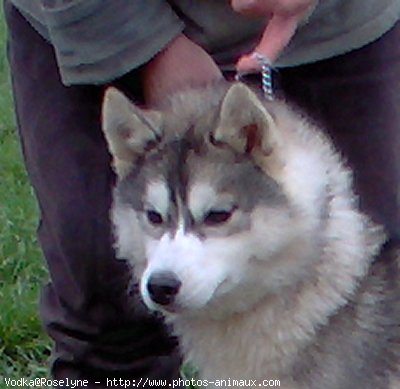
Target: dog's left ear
[[246, 125], [129, 130]]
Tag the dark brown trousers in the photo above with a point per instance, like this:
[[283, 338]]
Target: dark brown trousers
[[100, 330]]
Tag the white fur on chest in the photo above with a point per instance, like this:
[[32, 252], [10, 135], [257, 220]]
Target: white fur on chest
[[260, 345]]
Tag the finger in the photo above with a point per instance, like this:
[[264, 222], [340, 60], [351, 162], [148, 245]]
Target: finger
[[277, 35], [248, 64], [275, 38], [250, 7]]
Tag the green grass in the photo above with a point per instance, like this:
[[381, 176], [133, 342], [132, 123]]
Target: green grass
[[24, 348]]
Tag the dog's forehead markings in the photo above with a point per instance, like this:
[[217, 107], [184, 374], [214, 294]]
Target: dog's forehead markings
[[180, 230], [181, 222], [157, 195], [201, 196]]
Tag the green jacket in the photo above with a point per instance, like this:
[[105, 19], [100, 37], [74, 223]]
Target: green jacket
[[97, 40]]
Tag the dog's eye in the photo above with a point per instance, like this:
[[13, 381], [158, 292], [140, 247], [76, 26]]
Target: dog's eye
[[154, 217], [215, 217]]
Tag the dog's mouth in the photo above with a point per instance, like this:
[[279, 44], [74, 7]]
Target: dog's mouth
[[171, 309], [181, 305], [166, 292], [222, 288]]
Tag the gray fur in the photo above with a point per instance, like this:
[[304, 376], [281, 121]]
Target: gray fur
[[311, 294], [179, 159]]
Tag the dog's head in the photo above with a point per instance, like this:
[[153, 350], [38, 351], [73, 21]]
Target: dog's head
[[211, 205]]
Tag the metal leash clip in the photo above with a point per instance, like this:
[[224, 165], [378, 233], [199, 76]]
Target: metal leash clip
[[266, 76]]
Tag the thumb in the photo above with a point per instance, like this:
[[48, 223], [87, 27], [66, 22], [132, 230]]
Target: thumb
[[279, 31]]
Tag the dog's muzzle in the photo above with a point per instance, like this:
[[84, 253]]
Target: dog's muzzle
[[163, 287]]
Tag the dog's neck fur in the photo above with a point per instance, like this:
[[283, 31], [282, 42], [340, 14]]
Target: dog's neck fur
[[287, 323]]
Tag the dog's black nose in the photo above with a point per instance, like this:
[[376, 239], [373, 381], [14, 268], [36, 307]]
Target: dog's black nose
[[163, 287]]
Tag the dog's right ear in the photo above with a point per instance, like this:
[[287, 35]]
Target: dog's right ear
[[248, 127], [129, 130]]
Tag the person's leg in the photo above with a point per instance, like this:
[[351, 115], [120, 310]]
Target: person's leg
[[99, 329], [356, 97]]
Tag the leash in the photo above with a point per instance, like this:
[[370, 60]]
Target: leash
[[266, 76]]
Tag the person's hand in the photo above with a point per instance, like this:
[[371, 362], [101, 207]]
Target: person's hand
[[180, 65], [284, 17]]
